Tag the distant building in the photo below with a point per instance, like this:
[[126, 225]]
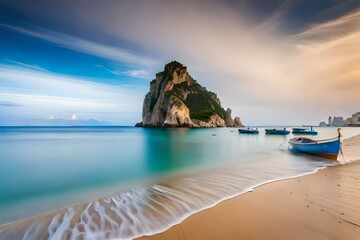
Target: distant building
[[338, 121], [329, 121], [354, 120]]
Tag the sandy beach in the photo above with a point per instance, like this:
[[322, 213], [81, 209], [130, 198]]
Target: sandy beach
[[323, 205]]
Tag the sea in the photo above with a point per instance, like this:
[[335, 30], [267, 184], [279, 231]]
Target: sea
[[126, 182]]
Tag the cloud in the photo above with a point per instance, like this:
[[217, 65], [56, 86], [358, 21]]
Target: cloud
[[25, 65], [331, 53], [135, 73], [110, 52], [139, 73], [52, 117], [331, 30], [43, 94], [264, 73], [9, 104]]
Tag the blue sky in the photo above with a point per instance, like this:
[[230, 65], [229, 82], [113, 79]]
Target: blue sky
[[272, 62], [47, 73], [46, 68]]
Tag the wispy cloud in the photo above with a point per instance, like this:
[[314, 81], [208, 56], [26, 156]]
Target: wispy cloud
[[9, 104], [257, 67], [44, 93], [25, 65], [330, 31], [139, 73], [109, 52], [331, 52], [136, 73]]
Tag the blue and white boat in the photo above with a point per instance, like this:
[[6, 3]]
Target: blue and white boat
[[306, 131], [277, 131], [249, 130], [328, 148]]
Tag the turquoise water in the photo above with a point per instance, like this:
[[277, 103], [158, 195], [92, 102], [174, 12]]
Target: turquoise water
[[47, 168]]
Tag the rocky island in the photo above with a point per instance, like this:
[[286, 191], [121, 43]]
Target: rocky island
[[175, 99]]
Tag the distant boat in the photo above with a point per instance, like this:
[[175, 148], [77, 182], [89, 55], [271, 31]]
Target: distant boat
[[277, 131], [249, 130], [328, 148], [306, 131]]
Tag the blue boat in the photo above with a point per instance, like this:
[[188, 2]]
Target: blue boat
[[249, 130], [328, 148], [306, 131], [277, 131]]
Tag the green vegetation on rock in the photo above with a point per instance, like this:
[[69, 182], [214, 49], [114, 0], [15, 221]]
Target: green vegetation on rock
[[202, 106], [200, 102]]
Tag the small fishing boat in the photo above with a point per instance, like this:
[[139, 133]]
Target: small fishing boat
[[277, 131], [306, 131], [249, 130], [328, 148]]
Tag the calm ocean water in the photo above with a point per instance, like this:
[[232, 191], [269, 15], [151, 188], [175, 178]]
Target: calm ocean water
[[149, 179]]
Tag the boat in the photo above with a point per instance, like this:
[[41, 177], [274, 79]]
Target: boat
[[249, 130], [306, 131], [277, 131], [328, 148]]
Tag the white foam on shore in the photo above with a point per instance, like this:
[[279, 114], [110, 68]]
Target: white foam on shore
[[150, 210]]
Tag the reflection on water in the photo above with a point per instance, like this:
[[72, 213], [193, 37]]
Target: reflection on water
[[40, 166], [171, 149]]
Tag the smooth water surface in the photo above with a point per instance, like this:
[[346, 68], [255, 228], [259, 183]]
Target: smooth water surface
[[45, 168]]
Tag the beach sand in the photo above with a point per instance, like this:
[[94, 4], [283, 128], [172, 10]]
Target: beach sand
[[323, 205]]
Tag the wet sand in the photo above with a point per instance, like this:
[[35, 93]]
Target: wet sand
[[323, 205]]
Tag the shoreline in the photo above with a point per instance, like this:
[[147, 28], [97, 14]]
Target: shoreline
[[37, 219], [168, 228], [52, 213], [195, 221], [193, 227]]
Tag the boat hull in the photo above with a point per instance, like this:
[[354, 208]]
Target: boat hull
[[324, 149], [277, 132], [246, 131], [305, 132]]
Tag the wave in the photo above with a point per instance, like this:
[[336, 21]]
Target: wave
[[152, 209]]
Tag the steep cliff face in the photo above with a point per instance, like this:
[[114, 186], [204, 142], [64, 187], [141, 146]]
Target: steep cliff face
[[229, 122], [175, 99], [237, 122]]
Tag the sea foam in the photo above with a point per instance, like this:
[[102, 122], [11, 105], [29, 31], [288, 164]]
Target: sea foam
[[146, 210]]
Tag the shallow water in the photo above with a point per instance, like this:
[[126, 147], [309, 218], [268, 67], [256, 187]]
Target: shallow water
[[145, 180]]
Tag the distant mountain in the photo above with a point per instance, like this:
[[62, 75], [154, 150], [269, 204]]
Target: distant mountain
[[78, 122], [175, 99], [58, 122]]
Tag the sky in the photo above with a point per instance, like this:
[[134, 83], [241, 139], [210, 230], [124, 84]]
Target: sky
[[280, 62]]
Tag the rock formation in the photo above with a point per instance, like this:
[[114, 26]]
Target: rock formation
[[175, 99], [322, 124], [229, 122], [238, 122]]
